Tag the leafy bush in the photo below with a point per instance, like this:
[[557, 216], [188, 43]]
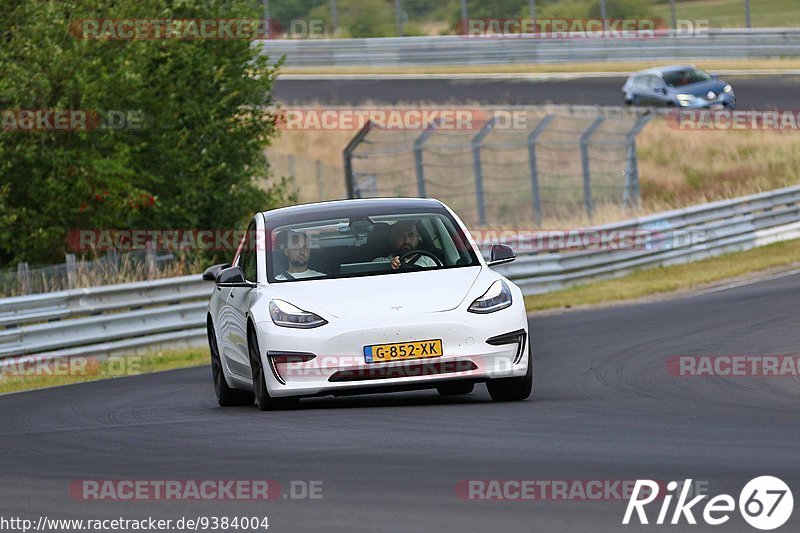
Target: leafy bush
[[622, 9], [193, 164]]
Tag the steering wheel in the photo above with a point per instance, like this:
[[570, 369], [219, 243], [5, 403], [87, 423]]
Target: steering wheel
[[408, 259]]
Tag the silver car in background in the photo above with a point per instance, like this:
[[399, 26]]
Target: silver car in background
[[678, 86]]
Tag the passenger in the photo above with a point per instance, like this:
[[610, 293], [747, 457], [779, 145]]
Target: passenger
[[295, 248]]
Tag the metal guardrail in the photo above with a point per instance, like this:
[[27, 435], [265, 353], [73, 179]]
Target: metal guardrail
[[725, 226], [128, 317], [105, 320], [463, 50]]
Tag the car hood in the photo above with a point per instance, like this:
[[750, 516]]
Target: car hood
[[387, 294], [700, 89]]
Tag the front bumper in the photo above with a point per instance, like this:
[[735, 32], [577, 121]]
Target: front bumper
[[723, 100], [330, 359]]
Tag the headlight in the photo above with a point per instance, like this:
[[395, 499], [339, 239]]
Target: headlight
[[286, 315], [728, 89], [496, 298], [684, 99]]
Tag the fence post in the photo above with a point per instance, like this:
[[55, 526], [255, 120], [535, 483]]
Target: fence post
[[293, 177], [334, 17], [419, 143], [747, 13], [150, 259], [112, 258], [477, 169], [398, 13], [587, 179], [532, 138], [24, 278], [71, 270], [673, 20], [630, 195], [347, 153], [319, 181]]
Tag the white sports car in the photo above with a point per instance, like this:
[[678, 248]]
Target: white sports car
[[363, 296]]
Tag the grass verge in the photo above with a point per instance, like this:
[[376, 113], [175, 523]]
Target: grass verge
[[662, 280], [42, 374]]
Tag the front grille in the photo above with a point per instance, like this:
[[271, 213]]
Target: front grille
[[405, 371]]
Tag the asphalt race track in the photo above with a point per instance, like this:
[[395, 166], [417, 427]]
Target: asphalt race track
[[752, 92], [604, 408]]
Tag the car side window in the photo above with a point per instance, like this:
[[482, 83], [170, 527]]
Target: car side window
[[655, 82], [249, 258]]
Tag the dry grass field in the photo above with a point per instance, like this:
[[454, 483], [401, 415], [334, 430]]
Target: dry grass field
[[677, 168]]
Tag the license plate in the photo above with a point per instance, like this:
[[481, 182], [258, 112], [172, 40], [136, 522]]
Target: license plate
[[400, 351]]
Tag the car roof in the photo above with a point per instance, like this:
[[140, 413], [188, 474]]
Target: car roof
[[664, 70], [354, 206]]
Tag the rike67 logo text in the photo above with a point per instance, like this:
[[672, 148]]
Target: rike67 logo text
[[765, 503]]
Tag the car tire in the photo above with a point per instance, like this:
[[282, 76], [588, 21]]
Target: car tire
[[513, 389], [455, 388], [226, 395], [262, 398]]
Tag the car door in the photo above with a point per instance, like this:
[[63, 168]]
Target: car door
[[658, 90], [636, 89], [238, 304], [645, 90]]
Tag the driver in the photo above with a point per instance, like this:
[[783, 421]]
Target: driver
[[403, 237], [295, 248]]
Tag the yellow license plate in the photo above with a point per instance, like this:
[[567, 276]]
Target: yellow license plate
[[399, 351]]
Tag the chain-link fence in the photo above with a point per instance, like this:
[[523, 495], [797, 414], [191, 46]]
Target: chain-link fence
[[310, 180], [111, 268], [555, 165]]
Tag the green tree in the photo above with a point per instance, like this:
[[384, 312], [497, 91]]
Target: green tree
[[197, 159], [628, 9], [360, 18]]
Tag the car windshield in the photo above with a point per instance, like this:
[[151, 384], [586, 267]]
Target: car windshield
[[678, 78], [367, 246]]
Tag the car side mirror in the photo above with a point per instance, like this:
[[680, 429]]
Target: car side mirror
[[662, 90], [501, 254], [232, 277], [211, 272]]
